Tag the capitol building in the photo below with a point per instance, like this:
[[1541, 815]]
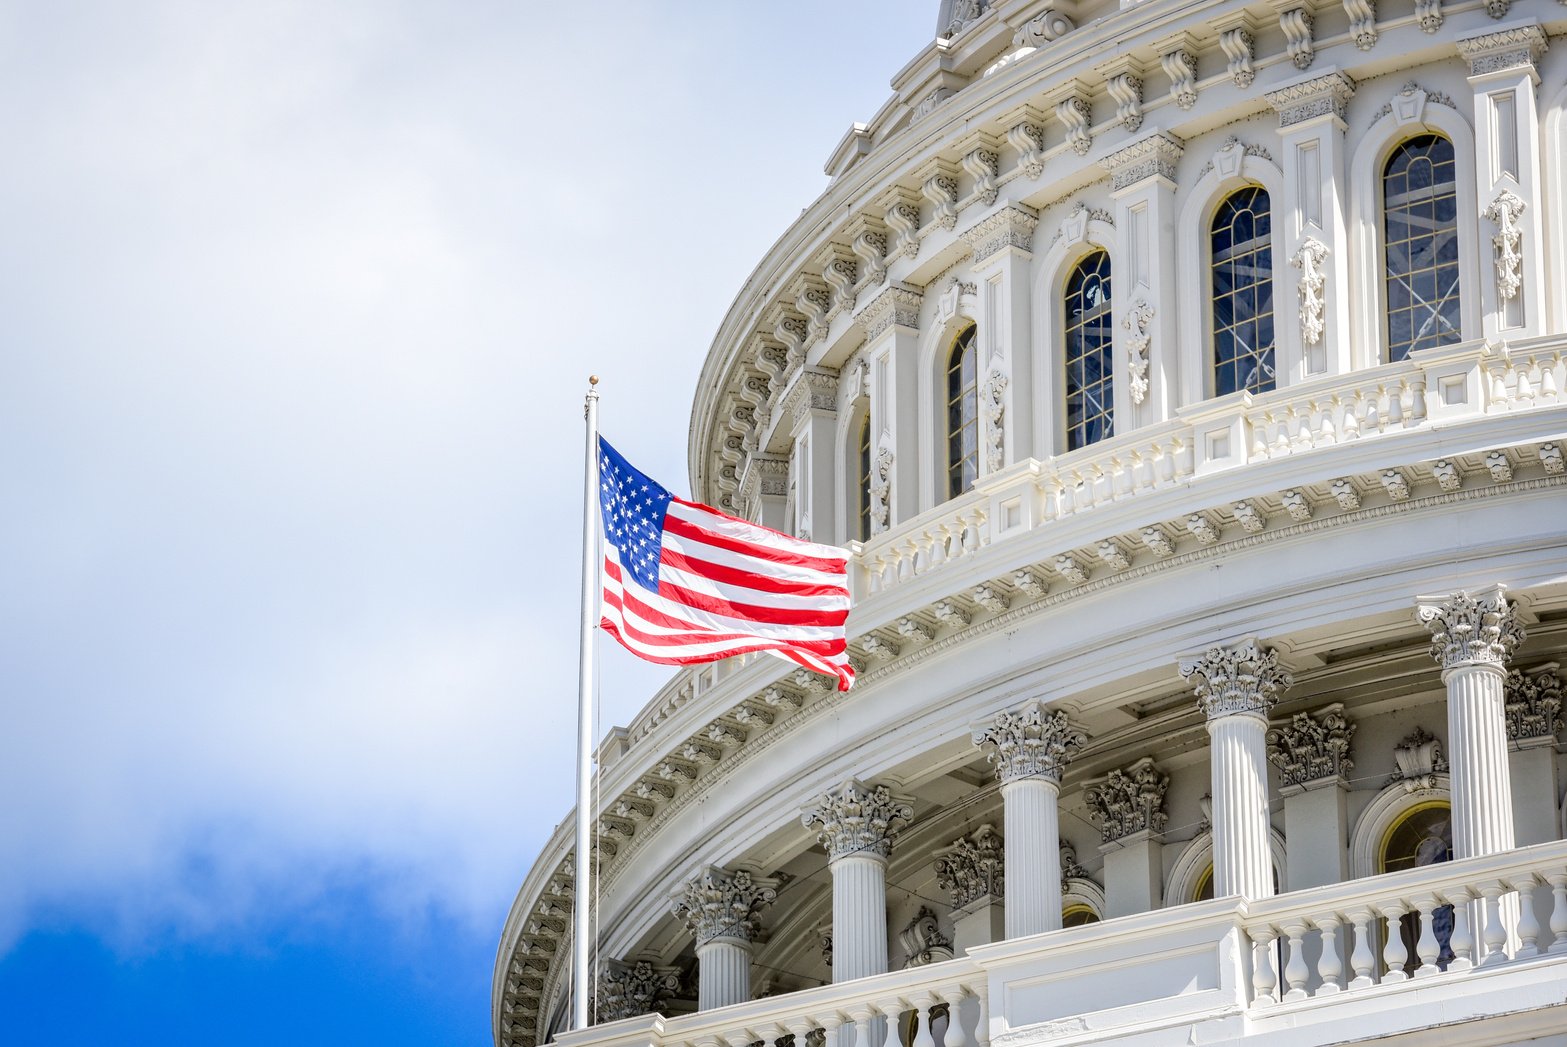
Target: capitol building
[[1187, 381]]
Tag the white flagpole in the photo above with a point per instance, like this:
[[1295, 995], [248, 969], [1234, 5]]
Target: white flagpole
[[590, 582]]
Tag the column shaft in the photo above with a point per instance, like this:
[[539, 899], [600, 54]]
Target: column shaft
[[724, 973], [859, 916], [1477, 745], [1242, 861], [1033, 856]]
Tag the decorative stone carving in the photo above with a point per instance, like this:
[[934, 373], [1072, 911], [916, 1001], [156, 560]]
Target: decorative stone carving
[[627, 990], [949, 613], [1518, 47], [1074, 116], [1128, 801], [991, 598], [1429, 14], [1041, 29], [1028, 582], [1394, 483], [1534, 704], [1070, 869], [1012, 226], [1126, 89], [1297, 23], [1504, 213], [879, 648], [916, 630], [1312, 747], [1471, 630], [1500, 466], [1448, 478], [881, 490], [1551, 459], [1202, 529], [993, 409], [1362, 22], [1180, 66], [1419, 760], [1309, 99], [1242, 679], [1150, 157], [1158, 542], [717, 903], [869, 245], [922, 940], [1138, 321], [1113, 555], [1030, 742], [1295, 504], [1345, 493], [894, 306], [857, 818], [939, 184], [1236, 44], [964, 13], [1248, 517], [1028, 138], [1308, 259], [1070, 568], [903, 218], [983, 164], [972, 866]]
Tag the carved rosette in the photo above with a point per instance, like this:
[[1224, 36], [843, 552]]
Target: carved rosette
[[1030, 742], [717, 903], [1471, 630], [972, 866], [626, 990], [1129, 801], [1245, 679], [1534, 705], [1312, 747], [856, 818]]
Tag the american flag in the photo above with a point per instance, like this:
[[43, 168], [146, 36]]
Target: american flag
[[685, 583]]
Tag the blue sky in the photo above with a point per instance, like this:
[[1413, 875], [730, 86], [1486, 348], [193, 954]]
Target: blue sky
[[296, 304]]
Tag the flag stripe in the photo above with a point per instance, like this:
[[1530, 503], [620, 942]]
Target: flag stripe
[[697, 617]]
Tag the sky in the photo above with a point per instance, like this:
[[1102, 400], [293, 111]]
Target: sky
[[297, 303]]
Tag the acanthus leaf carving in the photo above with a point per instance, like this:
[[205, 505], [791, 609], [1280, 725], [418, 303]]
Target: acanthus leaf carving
[[922, 940], [1032, 741], [993, 407], [717, 903], [1138, 321], [1073, 114], [881, 489], [625, 990], [1504, 213], [1128, 801], [972, 867], [856, 818], [1244, 679], [1309, 260], [1312, 747], [1297, 24], [1180, 66], [1418, 760], [1482, 629], [1533, 704]]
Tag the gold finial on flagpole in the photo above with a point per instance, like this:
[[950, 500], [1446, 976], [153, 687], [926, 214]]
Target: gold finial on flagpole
[[593, 379]]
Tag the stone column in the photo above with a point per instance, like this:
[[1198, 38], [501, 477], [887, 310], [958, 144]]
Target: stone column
[[1472, 639], [857, 822], [1143, 307], [1031, 747], [1236, 686], [1128, 807], [1504, 76], [720, 909], [1533, 709], [1314, 288], [1311, 751]]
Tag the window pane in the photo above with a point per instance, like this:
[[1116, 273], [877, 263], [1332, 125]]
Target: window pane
[[1420, 240], [1088, 359], [1242, 292]]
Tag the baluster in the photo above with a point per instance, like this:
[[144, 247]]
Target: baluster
[[1406, 405], [1558, 913], [922, 1003], [1263, 976], [891, 1016], [1353, 412], [1498, 388], [982, 1024], [1426, 946], [1462, 941], [1362, 958], [1379, 409], [864, 1018], [1528, 921], [1330, 966], [1295, 971], [832, 1029], [1417, 395], [1259, 437], [1548, 386], [954, 1036], [1493, 934], [1525, 384], [1327, 433], [1394, 952]]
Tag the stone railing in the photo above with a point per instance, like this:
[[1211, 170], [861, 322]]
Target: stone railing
[[1182, 966], [1445, 385]]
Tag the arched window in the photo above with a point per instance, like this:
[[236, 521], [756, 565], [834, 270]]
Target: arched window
[[1078, 915], [1420, 241], [1423, 836], [1241, 239], [962, 414], [862, 526], [1089, 410]]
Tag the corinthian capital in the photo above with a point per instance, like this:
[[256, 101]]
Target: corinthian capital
[[717, 903], [1468, 630], [856, 818], [1245, 679], [626, 990], [1030, 742]]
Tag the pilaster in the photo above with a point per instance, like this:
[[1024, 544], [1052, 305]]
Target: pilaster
[[1533, 704], [1313, 292], [857, 823], [891, 323], [1503, 76], [972, 869], [811, 407], [1312, 753], [626, 990], [1143, 300], [1235, 687], [1002, 246], [1128, 807]]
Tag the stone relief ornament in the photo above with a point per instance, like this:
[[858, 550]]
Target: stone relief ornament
[[627, 990], [1362, 22], [857, 818], [1028, 138], [1245, 678], [719, 904], [963, 12], [1041, 29], [922, 940], [1129, 801], [1419, 760], [1312, 746], [972, 866], [1471, 630], [881, 489], [1297, 24], [1138, 320], [1126, 89], [1181, 67], [1534, 704], [1505, 211], [1030, 742], [1074, 116], [1308, 260], [1237, 47], [1429, 14], [993, 407], [1070, 869]]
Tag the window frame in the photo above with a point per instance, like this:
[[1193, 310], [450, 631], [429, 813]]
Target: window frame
[[1210, 231], [963, 393], [1106, 311]]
